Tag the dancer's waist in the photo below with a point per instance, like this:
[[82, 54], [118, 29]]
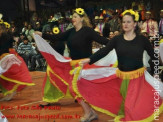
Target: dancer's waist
[[130, 74]]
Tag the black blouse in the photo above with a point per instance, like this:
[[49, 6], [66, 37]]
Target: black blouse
[[79, 42], [129, 53]]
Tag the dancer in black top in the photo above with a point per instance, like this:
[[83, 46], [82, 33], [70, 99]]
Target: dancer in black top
[[136, 84], [79, 41], [129, 47], [129, 52]]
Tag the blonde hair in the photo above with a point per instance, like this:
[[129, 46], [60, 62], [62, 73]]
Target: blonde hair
[[86, 21]]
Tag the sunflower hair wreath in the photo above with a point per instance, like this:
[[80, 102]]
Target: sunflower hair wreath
[[132, 13], [79, 11], [7, 25]]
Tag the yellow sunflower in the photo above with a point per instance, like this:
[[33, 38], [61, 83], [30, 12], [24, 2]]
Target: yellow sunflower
[[1, 21], [55, 30], [7, 25], [79, 11]]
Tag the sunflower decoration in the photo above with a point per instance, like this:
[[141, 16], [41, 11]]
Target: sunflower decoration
[[136, 14], [6, 24], [161, 41], [1, 21], [56, 30], [79, 11]]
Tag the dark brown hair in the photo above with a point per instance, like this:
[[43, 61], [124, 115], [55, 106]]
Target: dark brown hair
[[137, 29]]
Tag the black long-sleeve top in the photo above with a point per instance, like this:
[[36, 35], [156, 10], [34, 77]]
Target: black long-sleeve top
[[129, 53], [78, 42]]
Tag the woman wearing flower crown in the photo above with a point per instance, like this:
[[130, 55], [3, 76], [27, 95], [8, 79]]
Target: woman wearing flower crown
[[79, 38], [79, 41], [16, 77], [134, 94]]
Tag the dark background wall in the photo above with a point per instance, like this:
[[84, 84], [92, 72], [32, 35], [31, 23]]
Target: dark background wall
[[10, 9], [20, 9]]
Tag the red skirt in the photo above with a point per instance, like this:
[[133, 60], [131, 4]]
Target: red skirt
[[16, 78], [126, 97]]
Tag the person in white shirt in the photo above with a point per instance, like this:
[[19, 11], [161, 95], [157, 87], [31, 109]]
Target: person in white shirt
[[150, 26]]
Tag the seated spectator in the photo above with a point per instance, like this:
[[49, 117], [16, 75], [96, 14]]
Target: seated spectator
[[36, 57], [38, 27], [29, 32], [150, 25], [116, 33], [21, 37], [25, 26], [25, 50], [18, 40], [111, 35]]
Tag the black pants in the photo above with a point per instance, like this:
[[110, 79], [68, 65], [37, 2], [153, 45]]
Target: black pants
[[26, 57], [161, 76], [36, 57]]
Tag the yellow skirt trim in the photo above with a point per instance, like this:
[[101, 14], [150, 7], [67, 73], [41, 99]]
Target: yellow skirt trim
[[3, 55], [75, 88], [148, 119], [16, 81], [74, 62], [50, 70], [53, 100], [130, 74], [53, 82], [48, 73], [67, 95], [117, 118], [115, 64], [12, 90]]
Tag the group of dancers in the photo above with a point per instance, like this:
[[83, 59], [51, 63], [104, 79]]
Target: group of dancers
[[125, 92]]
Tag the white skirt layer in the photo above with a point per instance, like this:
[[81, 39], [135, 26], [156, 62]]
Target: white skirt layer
[[2, 118], [97, 73]]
